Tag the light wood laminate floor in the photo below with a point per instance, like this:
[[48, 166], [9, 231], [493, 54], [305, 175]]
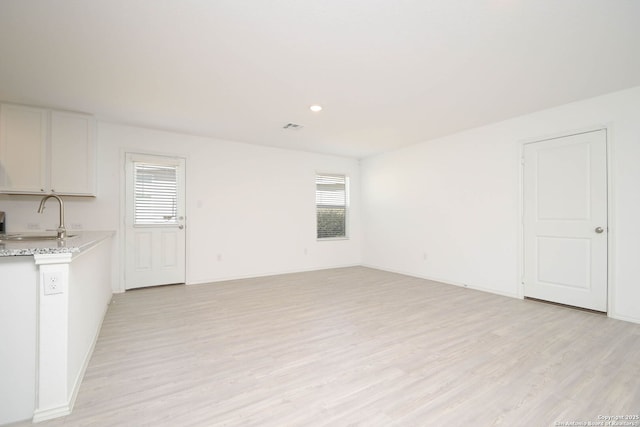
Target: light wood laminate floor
[[352, 347]]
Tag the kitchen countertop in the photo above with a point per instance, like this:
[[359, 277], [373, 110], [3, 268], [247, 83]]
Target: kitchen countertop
[[82, 241]]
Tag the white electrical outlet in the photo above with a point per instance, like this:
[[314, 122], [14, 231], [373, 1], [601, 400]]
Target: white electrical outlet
[[52, 283]]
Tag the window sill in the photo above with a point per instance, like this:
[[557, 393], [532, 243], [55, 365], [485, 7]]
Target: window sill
[[331, 239]]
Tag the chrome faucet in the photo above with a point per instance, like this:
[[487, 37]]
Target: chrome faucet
[[62, 232]]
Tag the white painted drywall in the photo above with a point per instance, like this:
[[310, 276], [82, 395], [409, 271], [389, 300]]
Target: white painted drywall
[[89, 296], [18, 287], [457, 200], [250, 208]]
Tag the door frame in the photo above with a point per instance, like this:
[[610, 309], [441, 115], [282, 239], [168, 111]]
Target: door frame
[[608, 128], [122, 241]]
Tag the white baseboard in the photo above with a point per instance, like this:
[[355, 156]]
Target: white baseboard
[[87, 358], [624, 318], [64, 410], [274, 273], [51, 413], [612, 315], [446, 282]]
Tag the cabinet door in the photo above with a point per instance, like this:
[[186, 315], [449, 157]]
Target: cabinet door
[[73, 154], [23, 137]]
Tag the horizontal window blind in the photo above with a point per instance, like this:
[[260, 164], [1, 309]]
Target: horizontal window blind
[[155, 194], [331, 206]]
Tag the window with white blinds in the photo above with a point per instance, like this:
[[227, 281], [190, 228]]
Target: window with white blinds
[[332, 199], [155, 194]]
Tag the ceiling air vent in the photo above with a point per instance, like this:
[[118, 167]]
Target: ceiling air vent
[[292, 126]]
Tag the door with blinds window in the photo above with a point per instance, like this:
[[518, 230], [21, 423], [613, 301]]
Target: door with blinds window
[[155, 221]]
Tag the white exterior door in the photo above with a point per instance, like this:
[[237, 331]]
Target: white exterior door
[[565, 220], [155, 221]]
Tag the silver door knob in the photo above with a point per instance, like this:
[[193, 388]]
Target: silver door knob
[[599, 230], [181, 227]]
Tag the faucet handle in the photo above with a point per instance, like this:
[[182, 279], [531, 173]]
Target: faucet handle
[[62, 232]]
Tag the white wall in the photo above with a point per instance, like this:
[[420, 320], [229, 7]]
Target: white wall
[[457, 200], [252, 205], [89, 297], [18, 287]]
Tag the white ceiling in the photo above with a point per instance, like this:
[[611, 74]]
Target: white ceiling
[[388, 72]]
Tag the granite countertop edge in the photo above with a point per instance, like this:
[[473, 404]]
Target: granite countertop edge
[[83, 241]]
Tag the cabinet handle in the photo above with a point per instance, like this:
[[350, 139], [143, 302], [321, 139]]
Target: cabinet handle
[[42, 189]]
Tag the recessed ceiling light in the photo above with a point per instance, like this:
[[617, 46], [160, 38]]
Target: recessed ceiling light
[[315, 108]]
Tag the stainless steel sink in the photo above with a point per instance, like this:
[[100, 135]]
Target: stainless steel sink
[[32, 237]]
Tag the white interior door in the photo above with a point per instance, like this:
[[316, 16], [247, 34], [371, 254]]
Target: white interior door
[[565, 220], [155, 220]]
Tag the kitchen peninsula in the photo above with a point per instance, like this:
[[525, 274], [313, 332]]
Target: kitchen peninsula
[[54, 296]]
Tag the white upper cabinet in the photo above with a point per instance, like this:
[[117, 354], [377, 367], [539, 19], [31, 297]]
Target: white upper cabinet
[[23, 141], [44, 151], [73, 154]]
